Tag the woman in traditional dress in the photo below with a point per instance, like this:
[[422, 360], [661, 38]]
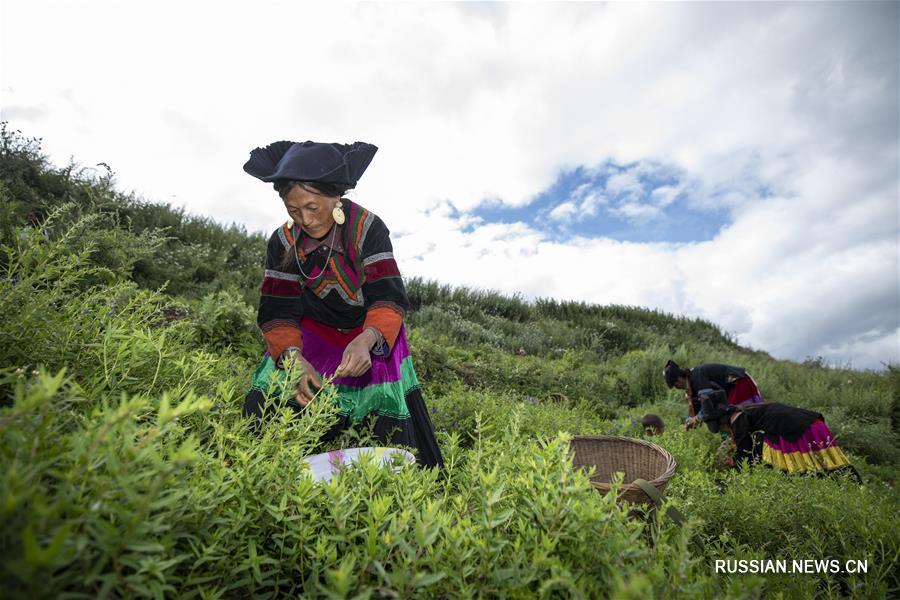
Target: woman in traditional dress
[[736, 382], [794, 440], [333, 300]]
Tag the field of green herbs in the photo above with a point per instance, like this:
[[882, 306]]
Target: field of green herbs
[[127, 341]]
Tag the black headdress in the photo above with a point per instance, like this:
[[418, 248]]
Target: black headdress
[[672, 372], [312, 162]]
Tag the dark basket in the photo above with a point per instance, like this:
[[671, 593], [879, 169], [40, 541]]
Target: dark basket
[[635, 458]]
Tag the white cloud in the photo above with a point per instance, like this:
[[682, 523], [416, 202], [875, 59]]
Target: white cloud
[[591, 203], [584, 189], [786, 115], [635, 211], [563, 212], [665, 195], [625, 184]]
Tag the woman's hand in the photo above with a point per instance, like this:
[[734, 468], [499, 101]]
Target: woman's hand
[[357, 358], [309, 383]]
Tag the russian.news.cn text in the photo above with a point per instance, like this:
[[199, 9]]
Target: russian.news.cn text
[[804, 566]]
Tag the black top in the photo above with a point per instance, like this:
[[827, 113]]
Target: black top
[[714, 376], [361, 274], [768, 421]]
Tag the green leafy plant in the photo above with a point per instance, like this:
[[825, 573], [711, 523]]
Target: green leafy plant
[[127, 341]]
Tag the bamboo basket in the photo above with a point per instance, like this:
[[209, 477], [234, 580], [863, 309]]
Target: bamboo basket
[[636, 459]]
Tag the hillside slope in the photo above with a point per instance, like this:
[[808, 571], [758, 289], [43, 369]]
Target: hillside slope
[[127, 341]]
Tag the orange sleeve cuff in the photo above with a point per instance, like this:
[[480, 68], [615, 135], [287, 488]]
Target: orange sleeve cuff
[[386, 320], [280, 337]]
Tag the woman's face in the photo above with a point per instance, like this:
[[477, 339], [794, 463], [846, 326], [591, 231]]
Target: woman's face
[[311, 211]]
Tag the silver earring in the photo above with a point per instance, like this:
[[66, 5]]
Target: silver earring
[[338, 214]]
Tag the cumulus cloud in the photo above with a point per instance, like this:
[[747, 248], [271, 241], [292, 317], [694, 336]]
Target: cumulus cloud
[[625, 184], [592, 202], [636, 211], [564, 211], [664, 195], [783, 115]]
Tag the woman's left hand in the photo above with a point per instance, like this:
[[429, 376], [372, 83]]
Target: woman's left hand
[[356, 359]]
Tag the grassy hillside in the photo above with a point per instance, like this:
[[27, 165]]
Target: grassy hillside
[[127, 341]]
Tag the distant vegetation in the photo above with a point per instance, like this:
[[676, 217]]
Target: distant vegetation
[[127, 342]]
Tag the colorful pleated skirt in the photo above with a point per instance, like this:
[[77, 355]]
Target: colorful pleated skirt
[[389, 393], [815, 451]]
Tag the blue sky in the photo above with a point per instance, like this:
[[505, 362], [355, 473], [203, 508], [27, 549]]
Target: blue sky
[[748, 149], [636, 202]]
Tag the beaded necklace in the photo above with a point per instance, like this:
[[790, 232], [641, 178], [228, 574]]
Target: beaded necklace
[[330, 251]]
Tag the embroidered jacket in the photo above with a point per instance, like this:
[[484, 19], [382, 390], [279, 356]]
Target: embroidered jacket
[[360, 287]]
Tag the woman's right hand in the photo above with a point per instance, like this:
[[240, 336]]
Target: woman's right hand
[[309, 383]]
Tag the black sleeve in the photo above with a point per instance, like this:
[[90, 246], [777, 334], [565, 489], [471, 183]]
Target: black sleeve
[[383, 284], [279, 303], [704, 377]]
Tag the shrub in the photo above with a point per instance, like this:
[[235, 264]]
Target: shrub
[[223, 320], [127, 342]]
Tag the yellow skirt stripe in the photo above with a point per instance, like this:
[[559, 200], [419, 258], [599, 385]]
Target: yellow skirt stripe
[[827, 459]]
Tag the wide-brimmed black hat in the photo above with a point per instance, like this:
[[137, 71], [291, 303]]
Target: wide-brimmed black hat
[[311, 161]]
